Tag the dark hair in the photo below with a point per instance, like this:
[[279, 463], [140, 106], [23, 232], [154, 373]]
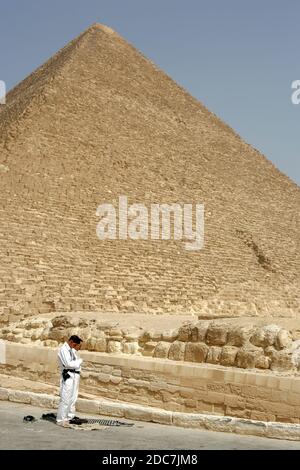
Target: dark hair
[[75, 339]]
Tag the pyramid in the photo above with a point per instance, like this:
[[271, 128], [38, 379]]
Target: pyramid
[[99, 120]]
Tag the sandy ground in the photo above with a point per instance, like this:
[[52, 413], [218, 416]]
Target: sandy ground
[[15, 434]]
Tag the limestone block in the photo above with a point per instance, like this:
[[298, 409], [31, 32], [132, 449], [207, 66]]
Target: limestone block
[[283, 361], [37, 334], [196, 352], [101, 344], [3, 394], [138, 413], [90, 344], [42, 400], [115, 338], [154, 335], [214, 355], [131, 347], [115, 332], [83, 333], [104, 378], [263, 362], [201, 331], [98, 334], [132, 336], [114, 347], [239, 336], [265, 336], [247, 357], [35, 323], [162, 349], [87, 406], [60, 334], [177, 350], [50, 343], [149, 348], [162, 417], [170, 335], [19, 397], [112, 409], [185, 333], [217, 334], [45, 333], [228, 355], [283, 339], [27, 334], [296, 358], [63, 321], [115, 380]]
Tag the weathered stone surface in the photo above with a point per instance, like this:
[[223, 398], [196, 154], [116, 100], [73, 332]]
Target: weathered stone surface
[[152, 335], [217, 334], [19, 397], [115, 380], [90, 344], [263, 362], [214, 355], [247, 357], [132, 335], [131, 347], [177, 350], [149, 348], [51, 343], [170, 335], [112, 409], [63, 321], [138, 413], [282, 361], [228, 355], [116, 332], [185, 333], [162, 349], [101, 344], [87, 406], [3, 394], [114, 347], [265, 336], [196, 352], [239, 336], [283, 339], [42, 400]]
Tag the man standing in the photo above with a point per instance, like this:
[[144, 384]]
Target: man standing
[[70, 366]]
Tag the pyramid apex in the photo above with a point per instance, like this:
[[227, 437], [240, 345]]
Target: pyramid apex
[[102, 27]]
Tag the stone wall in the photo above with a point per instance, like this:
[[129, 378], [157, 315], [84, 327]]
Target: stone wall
[[214, 342], [184, 387]]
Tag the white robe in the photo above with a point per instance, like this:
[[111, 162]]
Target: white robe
[[68, 359]]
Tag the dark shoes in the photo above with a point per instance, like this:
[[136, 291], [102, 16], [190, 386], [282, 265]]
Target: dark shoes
[[77, 420]]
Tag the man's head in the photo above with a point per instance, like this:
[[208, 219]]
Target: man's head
[[75, 342]]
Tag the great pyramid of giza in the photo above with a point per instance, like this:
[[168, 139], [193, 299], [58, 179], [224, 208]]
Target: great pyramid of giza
[[99, 120]]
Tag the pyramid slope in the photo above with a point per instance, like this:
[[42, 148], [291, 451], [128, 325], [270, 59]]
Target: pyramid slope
[[99, 120]]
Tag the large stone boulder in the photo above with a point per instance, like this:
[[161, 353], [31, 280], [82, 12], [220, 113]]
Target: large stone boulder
[[177, 350], [217, 334], [196, 352]]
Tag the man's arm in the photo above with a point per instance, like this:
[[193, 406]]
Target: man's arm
[[67, 362]]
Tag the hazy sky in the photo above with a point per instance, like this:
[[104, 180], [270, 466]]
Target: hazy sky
[[238, 57]]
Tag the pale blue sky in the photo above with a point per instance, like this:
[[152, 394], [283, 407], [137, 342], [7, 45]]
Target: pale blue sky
[[239, 57]]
